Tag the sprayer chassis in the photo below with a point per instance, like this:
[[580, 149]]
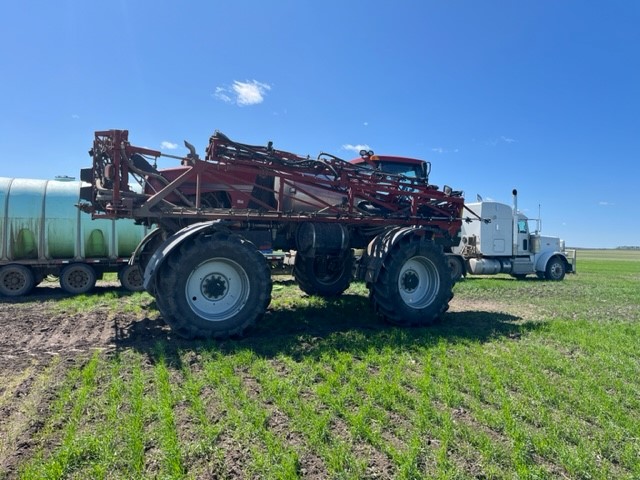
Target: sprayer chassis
[[216, 216]]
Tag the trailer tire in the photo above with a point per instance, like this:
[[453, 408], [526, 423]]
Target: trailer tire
[[414, 286], [131, 278], [213, 286], [16, 280], [78, 278], [322, 275], [555, 270]]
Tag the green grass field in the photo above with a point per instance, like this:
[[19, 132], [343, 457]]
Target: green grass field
[[521, 379]]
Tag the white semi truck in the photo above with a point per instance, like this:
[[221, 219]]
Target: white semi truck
[[496, 238]]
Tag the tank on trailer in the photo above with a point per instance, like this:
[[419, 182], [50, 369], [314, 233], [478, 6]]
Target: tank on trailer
[[42, 232]]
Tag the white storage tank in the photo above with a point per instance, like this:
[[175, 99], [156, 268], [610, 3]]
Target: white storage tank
[[42, 229]]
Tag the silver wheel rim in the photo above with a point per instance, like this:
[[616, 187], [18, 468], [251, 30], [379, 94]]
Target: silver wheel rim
[[418, 282], [217, 289], [556, 270]]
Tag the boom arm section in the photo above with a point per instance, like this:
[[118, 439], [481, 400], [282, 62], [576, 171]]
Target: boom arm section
[[245, 183]]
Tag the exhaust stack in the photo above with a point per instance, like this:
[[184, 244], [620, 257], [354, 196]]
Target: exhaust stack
[[514, 228]]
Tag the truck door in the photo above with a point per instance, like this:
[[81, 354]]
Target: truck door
[[523, 247]]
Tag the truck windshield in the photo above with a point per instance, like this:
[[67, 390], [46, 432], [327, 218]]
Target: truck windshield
[[408, 170]]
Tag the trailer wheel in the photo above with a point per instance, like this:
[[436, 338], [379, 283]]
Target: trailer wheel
[[414, 286], [130, 277], [78, 278], [323, 275], [555, 269], [16, 280], [214, 286]]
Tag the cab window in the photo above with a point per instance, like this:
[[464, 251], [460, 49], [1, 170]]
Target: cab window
[[399, 169], [522, 226]]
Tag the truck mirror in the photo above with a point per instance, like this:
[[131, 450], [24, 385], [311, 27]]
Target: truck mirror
[[424, 171]]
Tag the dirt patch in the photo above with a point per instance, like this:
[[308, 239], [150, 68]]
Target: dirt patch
[[31, 332], [37, 349]]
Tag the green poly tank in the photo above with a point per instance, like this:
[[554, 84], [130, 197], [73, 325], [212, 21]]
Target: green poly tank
[[39, 221]]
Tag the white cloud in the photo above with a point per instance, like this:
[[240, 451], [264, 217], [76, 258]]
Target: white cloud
[[356, 148], [502, 139], [168, 145], [250, 93], [606, 204], [246, 93], [441, 150], [75, 116], [221, 94]]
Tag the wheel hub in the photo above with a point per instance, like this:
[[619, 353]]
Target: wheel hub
[[77, 279], [215, 286], [418, 282], [410, 281]]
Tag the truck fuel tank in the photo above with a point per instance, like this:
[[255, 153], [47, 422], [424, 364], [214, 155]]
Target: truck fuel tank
[[488, 266]]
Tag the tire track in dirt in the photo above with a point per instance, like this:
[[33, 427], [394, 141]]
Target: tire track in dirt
[[30, 334], [37, 349]]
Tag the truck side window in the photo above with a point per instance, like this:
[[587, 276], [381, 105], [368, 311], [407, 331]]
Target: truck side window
[[522, 226]]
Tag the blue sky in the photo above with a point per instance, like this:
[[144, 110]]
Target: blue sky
[[542, 96]]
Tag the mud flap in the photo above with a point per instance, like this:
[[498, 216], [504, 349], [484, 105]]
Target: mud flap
[[158, 257]]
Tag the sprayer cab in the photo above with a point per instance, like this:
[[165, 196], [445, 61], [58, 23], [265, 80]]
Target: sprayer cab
[[408, 167]]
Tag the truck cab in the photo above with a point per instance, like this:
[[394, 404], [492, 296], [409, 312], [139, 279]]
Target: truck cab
[[409, 167], [497, 239]]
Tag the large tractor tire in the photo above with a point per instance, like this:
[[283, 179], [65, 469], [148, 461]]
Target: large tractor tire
[[16, 280], [78, 278], [322, 275], [150, 244], [214, 286], [414, 285]]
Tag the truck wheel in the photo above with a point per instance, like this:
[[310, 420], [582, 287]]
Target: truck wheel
[[455, 267], [130, 277], [555, 269], [414, 284], [77, 278], [323, 275], [16, 280], [214, 286]]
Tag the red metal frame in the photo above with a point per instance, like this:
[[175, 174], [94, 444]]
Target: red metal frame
[[326, 190]]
